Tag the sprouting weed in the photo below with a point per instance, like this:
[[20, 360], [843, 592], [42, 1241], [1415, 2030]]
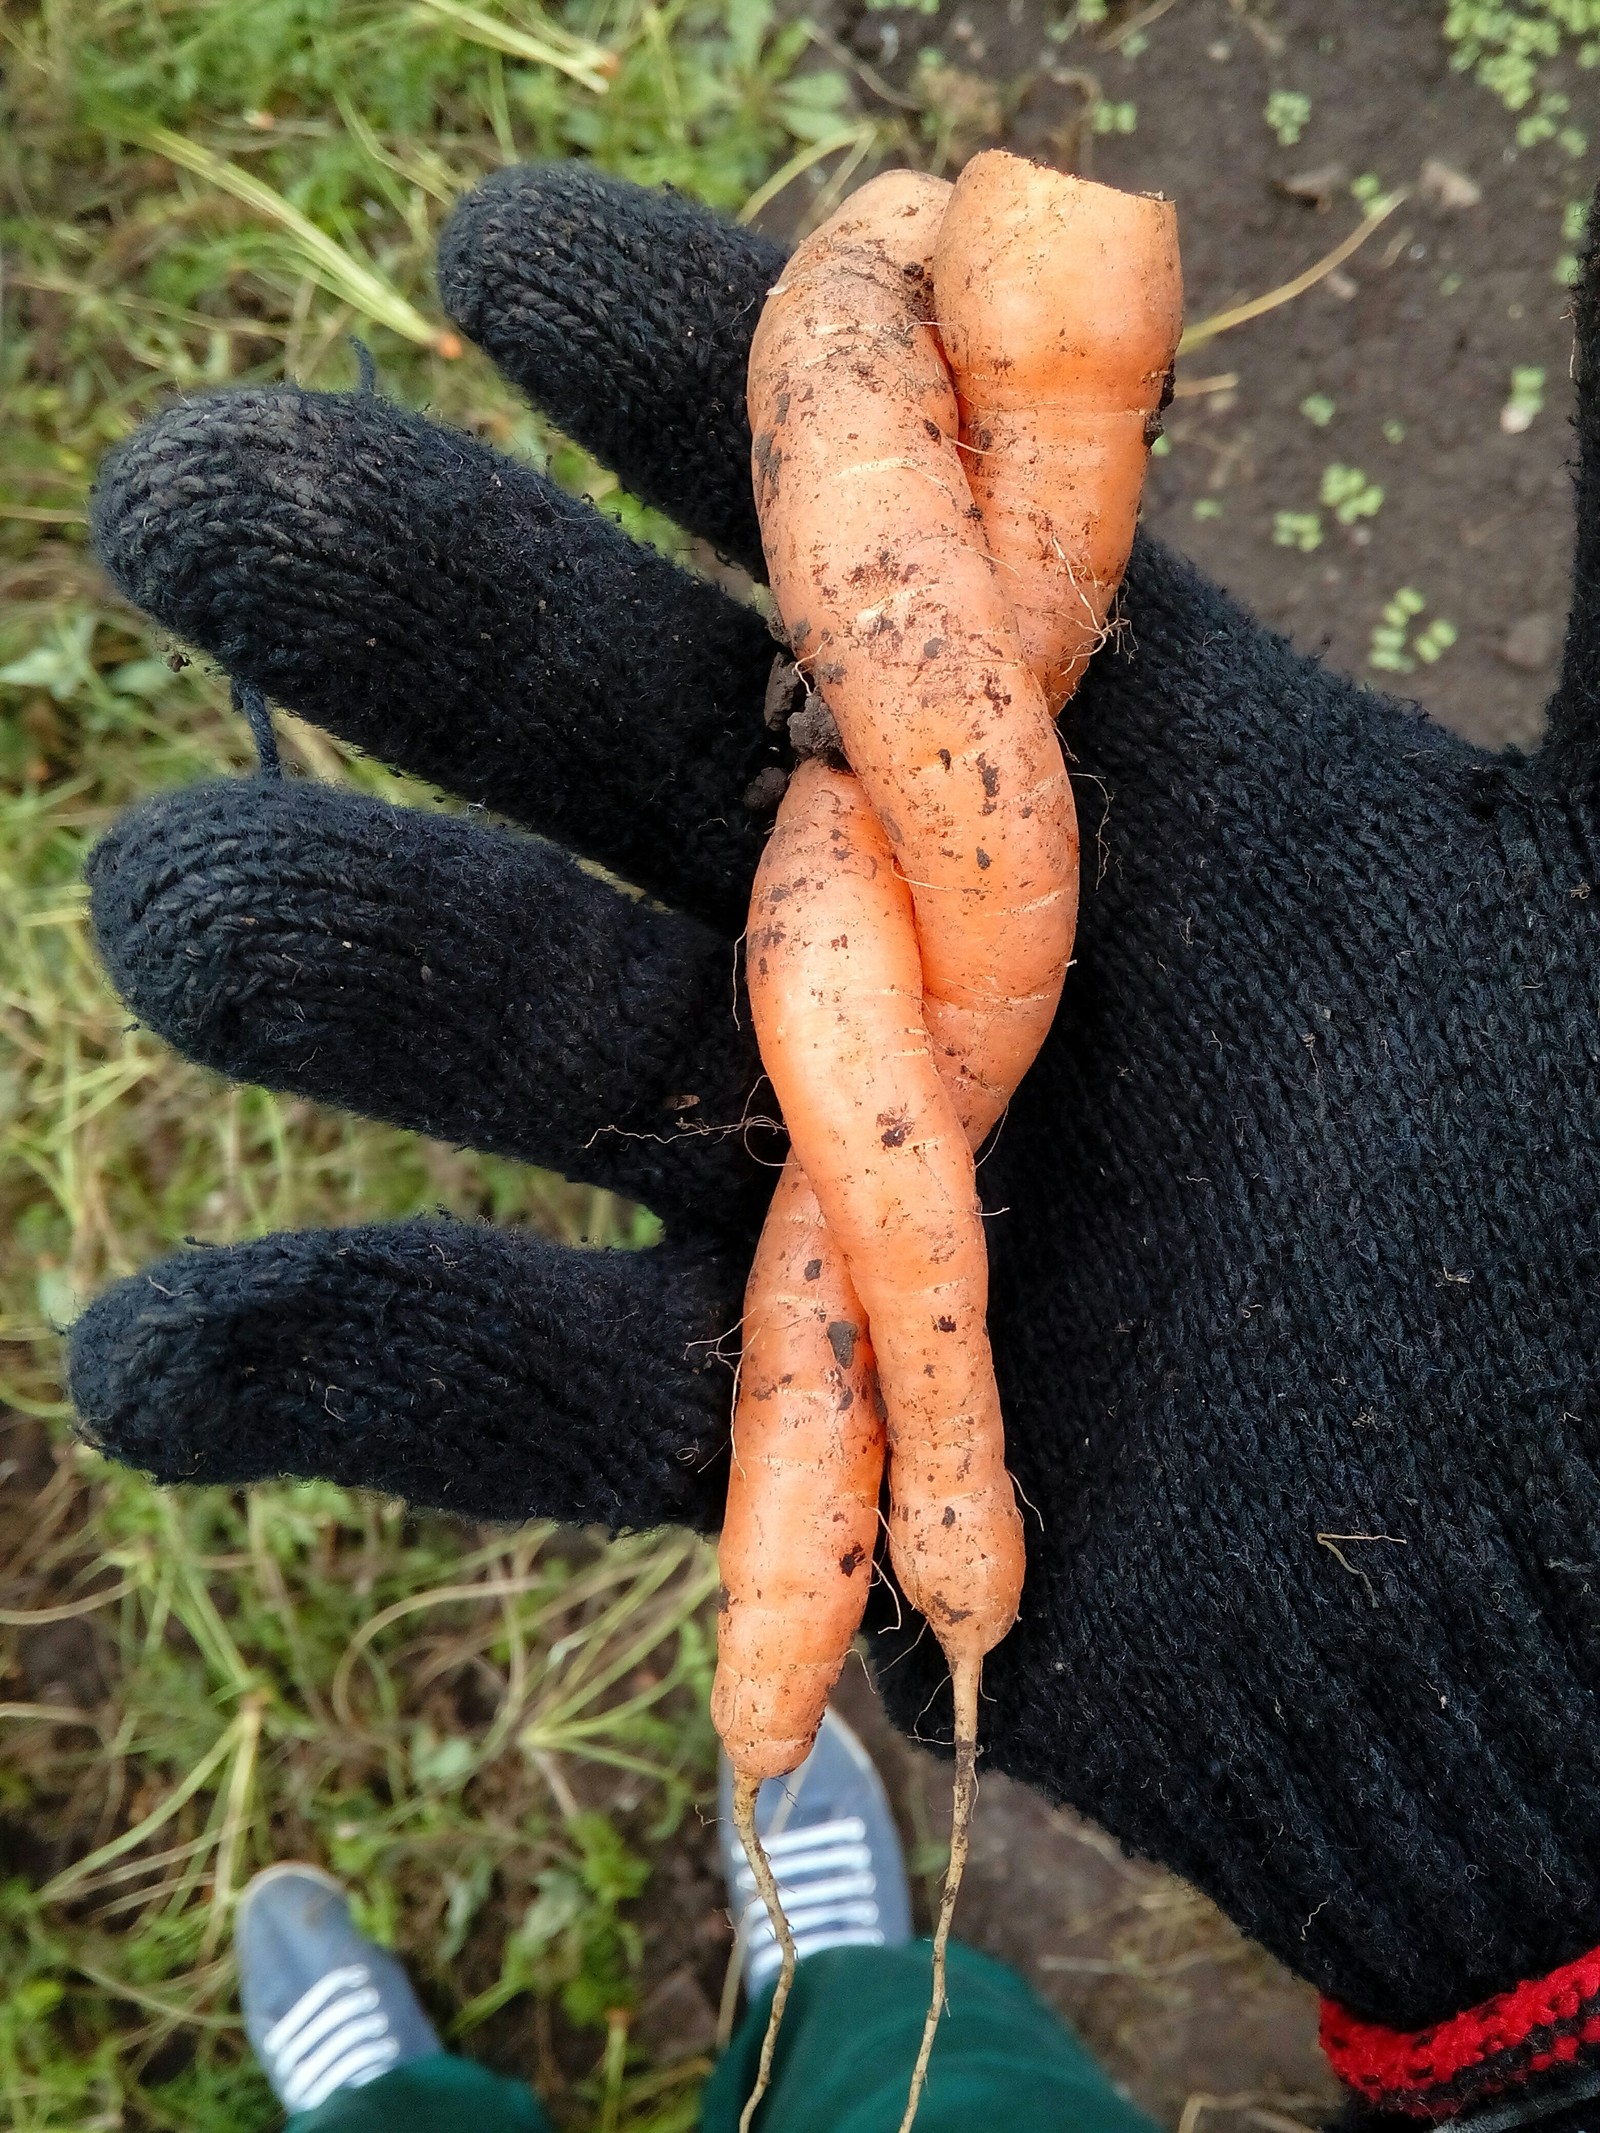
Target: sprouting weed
[[1504, 45], [1525, 400], [1318, 410], [1297, 529], [1389, 650], [1087, 15], [1394, 431], [1115, 118], [1288, 113], [1544, 123], [1207, 507], [1367, 190], [1349, 495]]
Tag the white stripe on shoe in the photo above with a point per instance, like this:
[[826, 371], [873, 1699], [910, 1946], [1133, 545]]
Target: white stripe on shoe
[[335, 2036], [359, 2066], [334, 2014], [841, 1858], [829, 1891], [850, 1831], [366, 2031], [332, 1981]]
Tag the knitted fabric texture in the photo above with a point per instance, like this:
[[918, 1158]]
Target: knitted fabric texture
[[448, 609], [322, 1354], [1438, 2072], [1295, 1226], [566, 276]]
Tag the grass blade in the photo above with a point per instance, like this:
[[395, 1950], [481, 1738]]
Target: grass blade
[[353, 279], [592, 66], [859, 137]]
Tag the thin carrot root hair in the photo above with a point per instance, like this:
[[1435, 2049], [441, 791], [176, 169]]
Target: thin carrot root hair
[[964, 1679], [745, 1790]]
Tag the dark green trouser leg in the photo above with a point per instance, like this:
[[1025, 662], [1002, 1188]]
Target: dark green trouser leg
[[441, 2094], [1003, 2063], [844, 2059]]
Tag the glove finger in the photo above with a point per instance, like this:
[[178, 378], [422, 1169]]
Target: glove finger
[[626, 315], [458, 615], [482, 1371], [464, 981]]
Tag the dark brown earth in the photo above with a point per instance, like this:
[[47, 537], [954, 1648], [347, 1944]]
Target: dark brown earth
[[1422, 328], [1423, 331]]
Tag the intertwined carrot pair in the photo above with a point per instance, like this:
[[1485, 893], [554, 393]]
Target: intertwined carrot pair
[[953, 393]]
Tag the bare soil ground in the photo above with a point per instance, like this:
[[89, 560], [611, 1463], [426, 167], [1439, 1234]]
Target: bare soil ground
[[1418, 334]]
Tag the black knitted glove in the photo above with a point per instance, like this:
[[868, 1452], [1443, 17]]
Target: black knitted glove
[[1296, 1223]]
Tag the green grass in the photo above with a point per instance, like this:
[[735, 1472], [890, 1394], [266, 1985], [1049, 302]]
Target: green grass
[[492, 1737]]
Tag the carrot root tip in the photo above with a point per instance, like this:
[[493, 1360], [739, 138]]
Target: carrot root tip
[[964, 1679], [745, 1791]]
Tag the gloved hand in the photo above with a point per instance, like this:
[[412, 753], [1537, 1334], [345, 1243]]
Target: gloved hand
[[1295, 1224]]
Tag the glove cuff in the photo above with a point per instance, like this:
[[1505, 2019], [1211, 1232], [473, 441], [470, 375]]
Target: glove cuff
[[1546, 2025]]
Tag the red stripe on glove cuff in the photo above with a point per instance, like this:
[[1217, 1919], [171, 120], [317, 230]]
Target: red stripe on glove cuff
[[1436, 2072]]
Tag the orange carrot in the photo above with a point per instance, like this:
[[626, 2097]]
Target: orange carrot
[[1059, 305], [895, 611], [802, 1521], [835, 994], [801, 1527], [879, 561], [834, 976]]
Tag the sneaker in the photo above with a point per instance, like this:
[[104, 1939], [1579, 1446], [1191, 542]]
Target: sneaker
[[324, 2007], [835, 1854]]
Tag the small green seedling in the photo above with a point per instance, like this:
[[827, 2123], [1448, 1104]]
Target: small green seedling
[[1288, 113], [1388, 650], [1207, 507], [1297, 529], [1318, 410], [1503, 45], [1349, 495], [1543, 124], [1526, 400]]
